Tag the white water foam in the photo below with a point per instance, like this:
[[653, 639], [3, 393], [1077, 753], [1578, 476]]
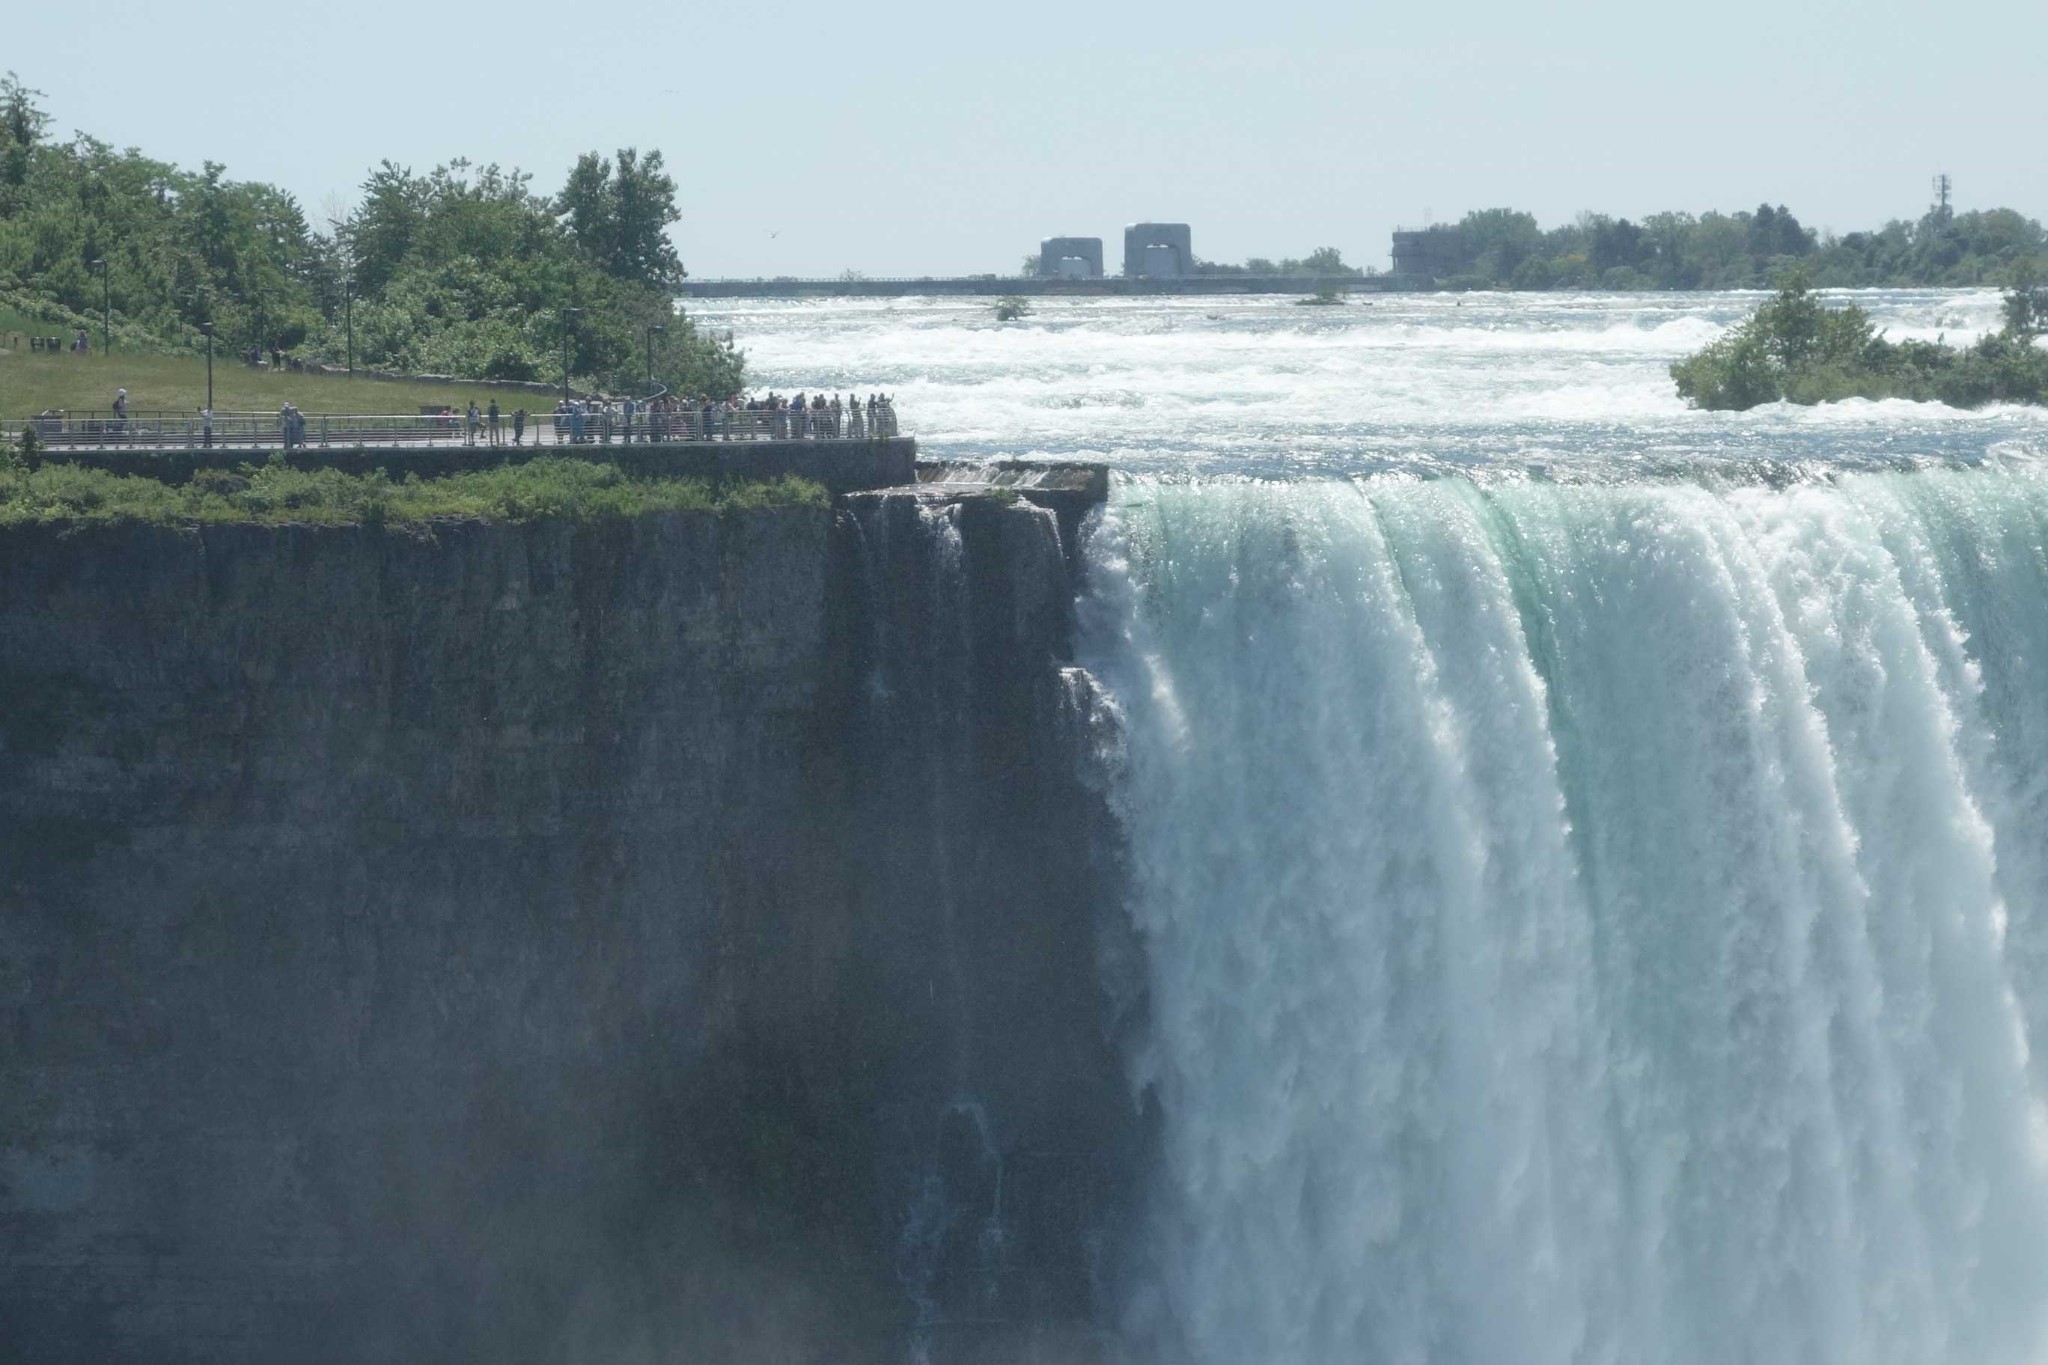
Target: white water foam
[[1591, 923], [1394, 381]]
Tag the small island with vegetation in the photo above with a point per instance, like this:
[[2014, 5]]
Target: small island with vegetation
[[1797, 349]]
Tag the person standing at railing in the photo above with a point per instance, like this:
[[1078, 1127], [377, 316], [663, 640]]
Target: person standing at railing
[[120, 410], [206, 428], [472, 419], [496, 432], [518, 426]]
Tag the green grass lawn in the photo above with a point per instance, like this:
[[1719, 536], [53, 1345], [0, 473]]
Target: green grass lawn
[[32, 382]]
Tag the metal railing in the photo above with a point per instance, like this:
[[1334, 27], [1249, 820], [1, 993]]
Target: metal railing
[[153, 430]]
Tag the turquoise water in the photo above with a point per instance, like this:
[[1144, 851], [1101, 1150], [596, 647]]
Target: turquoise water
[[1595, 896]]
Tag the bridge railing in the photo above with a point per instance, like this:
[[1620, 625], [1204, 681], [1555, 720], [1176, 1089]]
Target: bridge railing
[[105, 430]]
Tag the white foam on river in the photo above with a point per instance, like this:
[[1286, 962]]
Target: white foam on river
[[1260, 385]]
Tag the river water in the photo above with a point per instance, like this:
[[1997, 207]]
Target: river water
[[1592, 856]]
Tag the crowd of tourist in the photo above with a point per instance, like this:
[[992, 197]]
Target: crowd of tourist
[[578, 421], [817, 417]]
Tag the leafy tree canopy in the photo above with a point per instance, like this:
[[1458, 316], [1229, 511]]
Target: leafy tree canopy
[[464, 270]]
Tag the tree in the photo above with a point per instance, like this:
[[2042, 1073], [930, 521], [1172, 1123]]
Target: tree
[[382, 229], [1775, 232], [2026, 304], [1497, 240], [618, 214], [22, 122], [1325, 260], [1616, 243]]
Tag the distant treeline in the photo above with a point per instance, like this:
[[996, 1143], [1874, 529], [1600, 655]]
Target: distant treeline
[[1506, 249], [1325, 261], [462, 271]]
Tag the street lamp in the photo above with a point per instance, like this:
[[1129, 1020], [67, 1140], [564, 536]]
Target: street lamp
[[567, 313], [348, 308], [653, 331], [106, 307], [206, 330]]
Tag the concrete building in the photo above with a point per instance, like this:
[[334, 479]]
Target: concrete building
[[1159, 251], [1070, 258], [1433, 253]]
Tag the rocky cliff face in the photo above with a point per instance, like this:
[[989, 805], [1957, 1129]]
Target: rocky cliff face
[[673, 939]]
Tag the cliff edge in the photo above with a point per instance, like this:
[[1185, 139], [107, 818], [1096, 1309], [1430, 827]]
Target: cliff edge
[[649, 938]]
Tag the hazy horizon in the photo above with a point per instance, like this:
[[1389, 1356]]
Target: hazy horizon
[[916, 141]]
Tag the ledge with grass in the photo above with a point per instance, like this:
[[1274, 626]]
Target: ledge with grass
[[275, 493], [837, 466]]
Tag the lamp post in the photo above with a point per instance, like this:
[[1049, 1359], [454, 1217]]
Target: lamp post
[[567, 313], [653, 331], [348, 311], [106, 306], [206, 330]]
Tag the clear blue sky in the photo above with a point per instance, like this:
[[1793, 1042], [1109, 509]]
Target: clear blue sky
[[907, 137]]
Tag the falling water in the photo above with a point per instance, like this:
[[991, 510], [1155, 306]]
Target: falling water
[[1590, 857], [1596, 922]]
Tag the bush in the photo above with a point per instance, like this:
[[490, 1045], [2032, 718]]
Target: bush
[[276, 493], [1797, 349]]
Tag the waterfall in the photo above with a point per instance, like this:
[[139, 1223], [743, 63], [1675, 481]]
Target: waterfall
[[1599, 922]]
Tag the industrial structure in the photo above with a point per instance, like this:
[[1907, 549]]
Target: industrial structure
[[1159, 251], [1070, 258]]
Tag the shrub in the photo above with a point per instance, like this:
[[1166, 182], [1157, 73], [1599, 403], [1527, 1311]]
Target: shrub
[[276, 493], [1797, 349]]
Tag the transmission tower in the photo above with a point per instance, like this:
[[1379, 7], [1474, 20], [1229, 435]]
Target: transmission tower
[[1942, 186]]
